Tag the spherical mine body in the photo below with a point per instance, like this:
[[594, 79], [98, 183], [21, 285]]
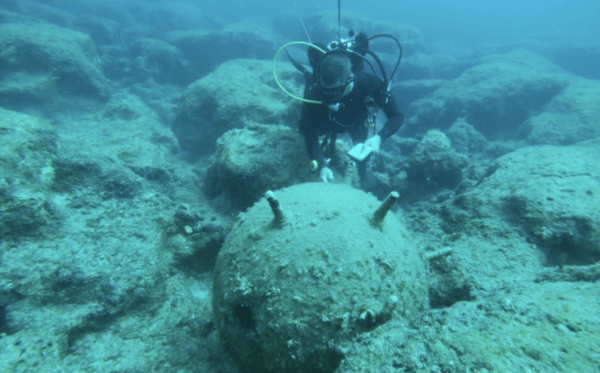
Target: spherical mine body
[[291, 297]]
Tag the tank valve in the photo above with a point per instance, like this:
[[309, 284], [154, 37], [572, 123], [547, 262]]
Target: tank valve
[[279, 218], [349, 174], [378, 215]]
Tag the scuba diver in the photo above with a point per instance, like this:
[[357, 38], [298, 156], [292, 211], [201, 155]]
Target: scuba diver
[[351, 98], [340, 97]]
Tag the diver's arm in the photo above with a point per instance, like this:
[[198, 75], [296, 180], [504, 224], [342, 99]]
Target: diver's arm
[[310, 120], [394, 118], [315, 152]]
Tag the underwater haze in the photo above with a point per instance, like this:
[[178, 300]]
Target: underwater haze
[[471, 21], [162, 204]]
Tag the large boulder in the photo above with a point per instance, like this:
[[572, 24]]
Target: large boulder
[[573, 115], [208, 48], [547, 327], [409, 91], [27, 153], [547, 192], [46, 65], [467, 140], [250, 161], [237, 93], [434, 163], [112, 164], [100, 225], [294, 297], [495, 97], [80, 17], [432, 66], [577, 56], [20, 10], [103, 31], [158, 60]]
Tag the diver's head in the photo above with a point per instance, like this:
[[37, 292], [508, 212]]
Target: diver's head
[[335, 75]]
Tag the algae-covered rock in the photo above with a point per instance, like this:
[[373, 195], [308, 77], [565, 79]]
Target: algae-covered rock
[[294, 298], [103, 31], [42, 63], [250, 161], [547, 327], [124, 146], [434, 163], [112, 182], [414, 89], [195, 238], [495, 97], [237, 93], [421, 67], [158, 60], [579, 56], [548, 192], [208, 48], [466, 139], [26, 155], [572, 116]]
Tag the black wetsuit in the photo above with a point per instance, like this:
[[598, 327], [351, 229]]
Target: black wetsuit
[[317, 120]]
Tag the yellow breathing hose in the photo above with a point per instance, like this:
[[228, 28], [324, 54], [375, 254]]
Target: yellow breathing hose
[[277, 78]]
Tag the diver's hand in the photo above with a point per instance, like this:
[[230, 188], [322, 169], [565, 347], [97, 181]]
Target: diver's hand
[[374, 143], [326, 174]]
